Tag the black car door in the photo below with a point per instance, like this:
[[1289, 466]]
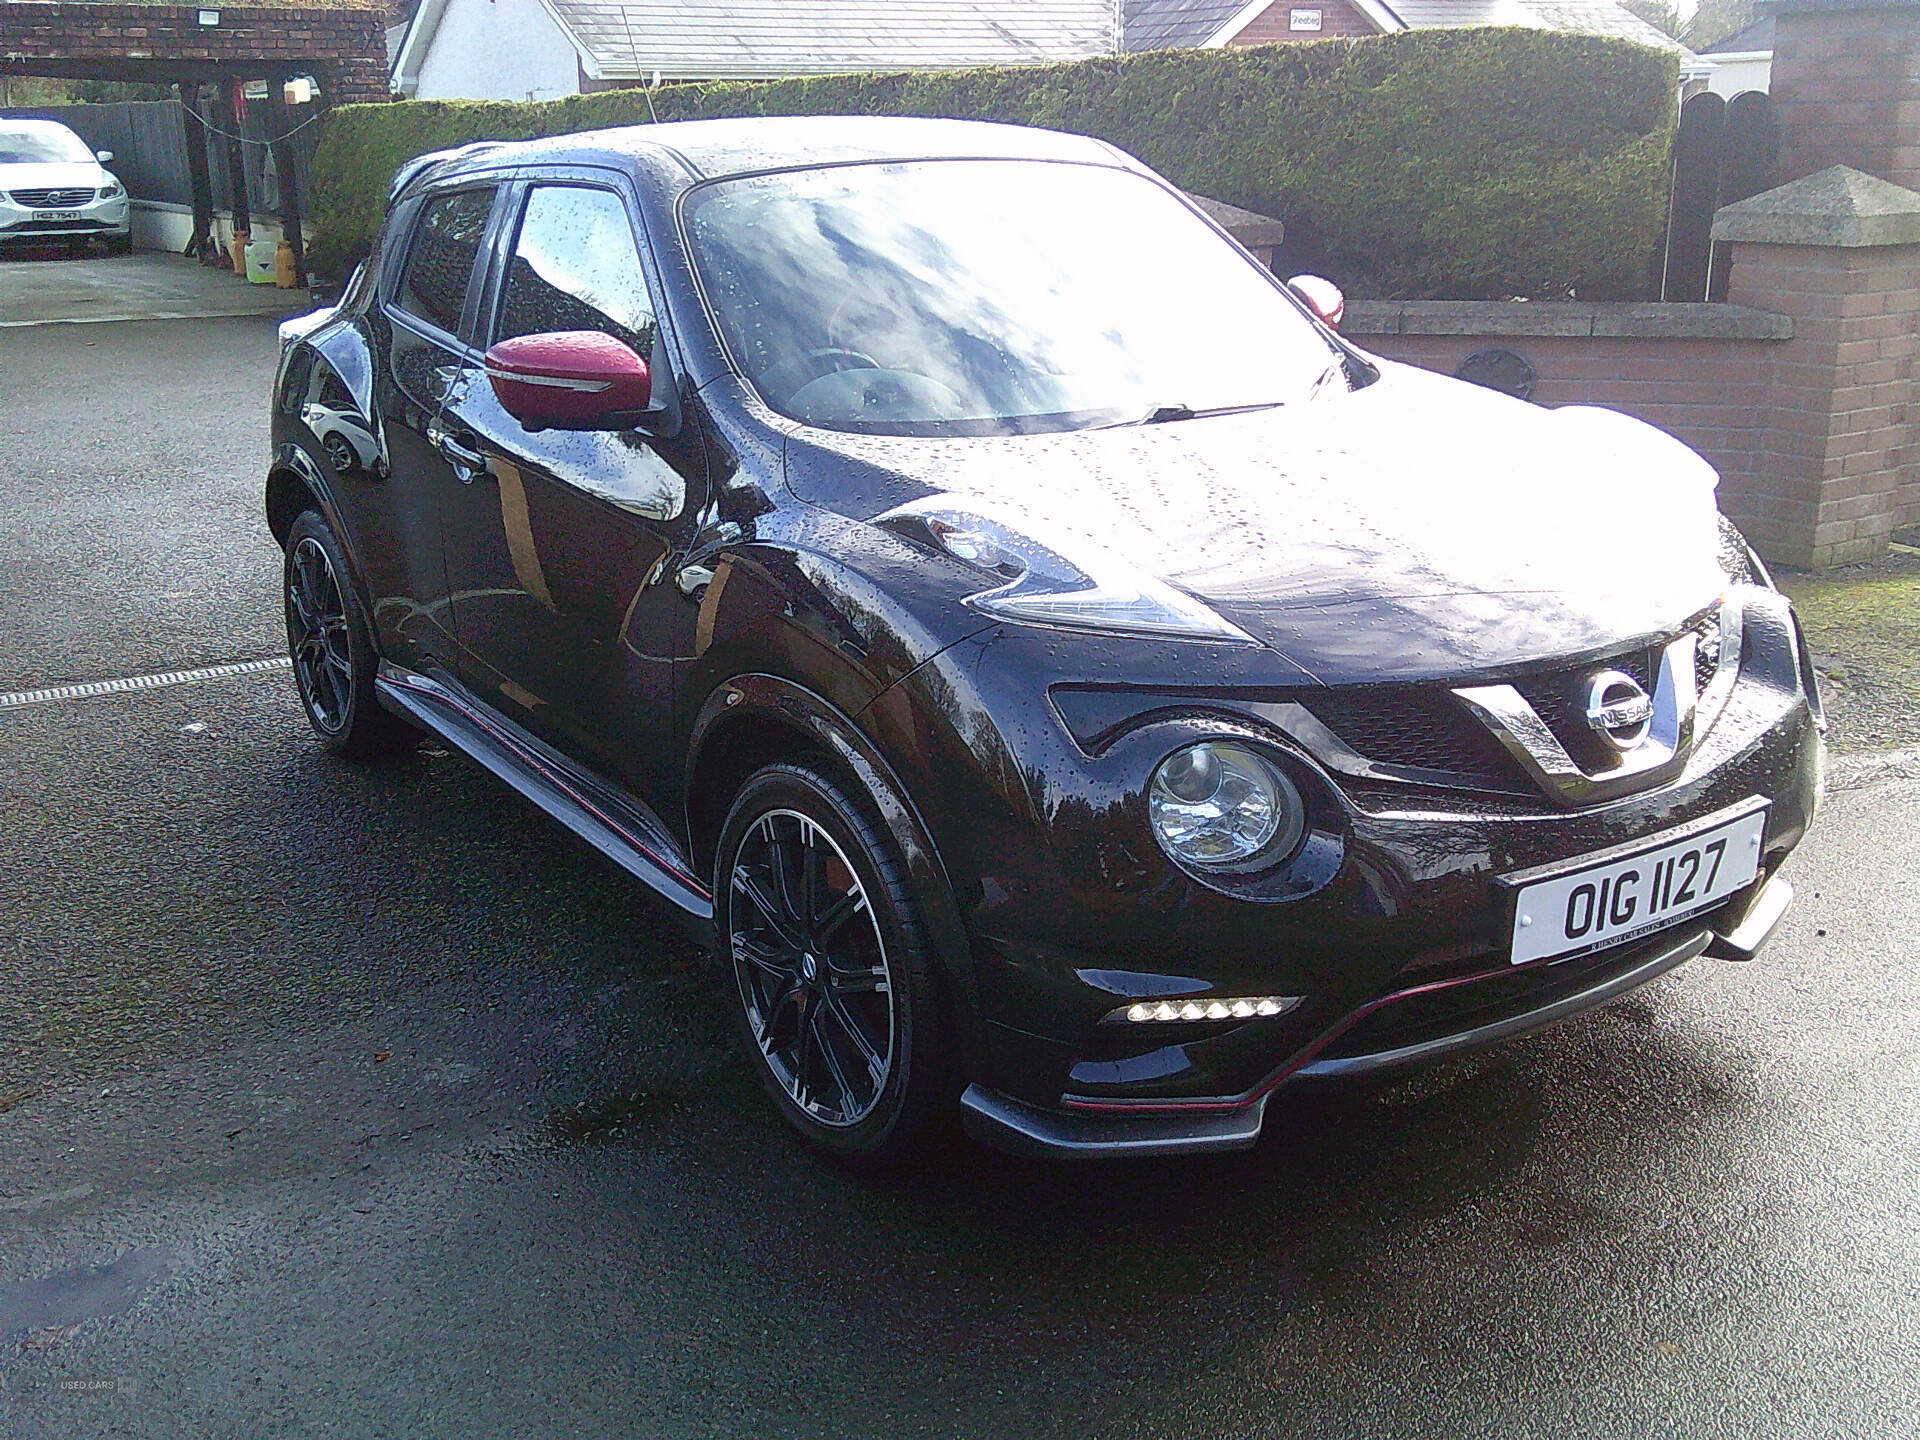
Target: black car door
[[424, 312], [557, 550]]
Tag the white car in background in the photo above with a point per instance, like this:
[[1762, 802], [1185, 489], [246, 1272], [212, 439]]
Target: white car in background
[[53, 189]]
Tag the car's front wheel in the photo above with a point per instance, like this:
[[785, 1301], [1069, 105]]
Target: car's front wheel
[[837, 995], [334, 662]]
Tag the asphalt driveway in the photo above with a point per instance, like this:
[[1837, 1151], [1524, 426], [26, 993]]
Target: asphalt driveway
[[367, 1102], [40, 286]]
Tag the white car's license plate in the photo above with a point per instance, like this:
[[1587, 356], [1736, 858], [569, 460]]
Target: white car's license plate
[[1616, 900], [56, 214]]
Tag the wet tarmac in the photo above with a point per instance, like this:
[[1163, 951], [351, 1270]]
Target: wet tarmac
[[365, 1102], [44, 285]]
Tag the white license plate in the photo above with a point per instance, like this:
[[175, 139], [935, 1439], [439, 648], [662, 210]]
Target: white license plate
[[1604, 904], [56, 214]]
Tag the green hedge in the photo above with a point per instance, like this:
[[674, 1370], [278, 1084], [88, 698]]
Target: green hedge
[[1463, 164]]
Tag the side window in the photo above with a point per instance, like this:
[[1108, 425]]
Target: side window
[[440, 262], [575, 267]]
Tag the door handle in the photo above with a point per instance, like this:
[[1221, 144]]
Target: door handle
[[468, 463]]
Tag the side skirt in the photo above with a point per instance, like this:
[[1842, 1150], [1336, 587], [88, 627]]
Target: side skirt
[[616, 824]]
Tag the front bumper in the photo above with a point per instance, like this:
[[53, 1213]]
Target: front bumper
[[96, 217], [1739, 931], [1392, 927]]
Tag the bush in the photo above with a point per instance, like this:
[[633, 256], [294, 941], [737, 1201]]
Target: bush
[[1464, 164]]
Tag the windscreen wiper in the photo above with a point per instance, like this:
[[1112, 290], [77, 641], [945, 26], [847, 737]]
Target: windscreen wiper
[[1162, 414]]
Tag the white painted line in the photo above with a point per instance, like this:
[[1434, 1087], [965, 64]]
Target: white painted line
[[52, 1197], [11, 700]]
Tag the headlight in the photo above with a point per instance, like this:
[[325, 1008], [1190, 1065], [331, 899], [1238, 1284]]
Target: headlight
[[110, 191], [1071, 583], [1219, 806]]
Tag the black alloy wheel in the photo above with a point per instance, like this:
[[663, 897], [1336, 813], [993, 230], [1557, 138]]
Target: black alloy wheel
[[836, 995], [334, 662], [317, 634]]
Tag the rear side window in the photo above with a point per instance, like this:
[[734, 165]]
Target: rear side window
[[440, 263], [575, 267]]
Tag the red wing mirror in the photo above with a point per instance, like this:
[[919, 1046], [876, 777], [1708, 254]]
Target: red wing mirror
[[570, 380], [1323, 297]]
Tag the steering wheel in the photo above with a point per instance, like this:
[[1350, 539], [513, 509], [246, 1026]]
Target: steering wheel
[[875, 395], [791, 376]]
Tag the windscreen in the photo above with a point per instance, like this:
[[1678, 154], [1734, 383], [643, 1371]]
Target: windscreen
[[40, 144], [990, 297]]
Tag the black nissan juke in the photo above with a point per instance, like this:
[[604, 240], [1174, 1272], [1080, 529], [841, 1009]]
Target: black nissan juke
[[1058, 673]]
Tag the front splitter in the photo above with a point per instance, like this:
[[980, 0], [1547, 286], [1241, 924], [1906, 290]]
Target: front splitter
[[1021, 1129]]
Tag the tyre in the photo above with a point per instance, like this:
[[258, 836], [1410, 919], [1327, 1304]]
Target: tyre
[[120, 244], [334, 661], [834, 987]]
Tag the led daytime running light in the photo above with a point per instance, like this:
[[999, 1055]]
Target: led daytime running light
[[1161, 1012]]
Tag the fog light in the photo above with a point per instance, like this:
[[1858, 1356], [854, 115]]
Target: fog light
[[1221, 806], [1245, 1007]]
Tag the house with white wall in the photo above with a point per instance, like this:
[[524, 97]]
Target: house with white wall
[[543, 49], [1743, 61], [1165, 24]]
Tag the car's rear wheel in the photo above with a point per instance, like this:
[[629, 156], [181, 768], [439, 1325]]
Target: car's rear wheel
[[837, 996], [334, 662]]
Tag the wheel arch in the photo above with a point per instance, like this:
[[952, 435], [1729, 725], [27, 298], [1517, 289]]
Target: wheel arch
[[294, 484], [756, 719]]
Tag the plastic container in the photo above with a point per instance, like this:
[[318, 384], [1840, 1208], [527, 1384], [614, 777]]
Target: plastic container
[[260, 261]]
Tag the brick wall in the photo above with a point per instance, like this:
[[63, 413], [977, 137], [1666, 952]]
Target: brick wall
[[345, 49], [1846, 89], [1840, 457], [1337, 18]]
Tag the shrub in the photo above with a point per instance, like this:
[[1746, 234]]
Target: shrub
[[1464, 164]]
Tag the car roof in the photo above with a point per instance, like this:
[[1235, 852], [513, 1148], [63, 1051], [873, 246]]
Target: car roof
[[707, 149]]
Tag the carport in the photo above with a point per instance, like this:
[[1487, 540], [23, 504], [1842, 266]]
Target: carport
[[210, 54]]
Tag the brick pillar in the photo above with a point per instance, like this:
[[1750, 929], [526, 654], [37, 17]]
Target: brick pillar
[[1839, 252], [1846, 87]]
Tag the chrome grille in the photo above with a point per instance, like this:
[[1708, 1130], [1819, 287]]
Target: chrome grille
[[1706, 653], [52, 199], [1560, 699], [1429, 728]]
